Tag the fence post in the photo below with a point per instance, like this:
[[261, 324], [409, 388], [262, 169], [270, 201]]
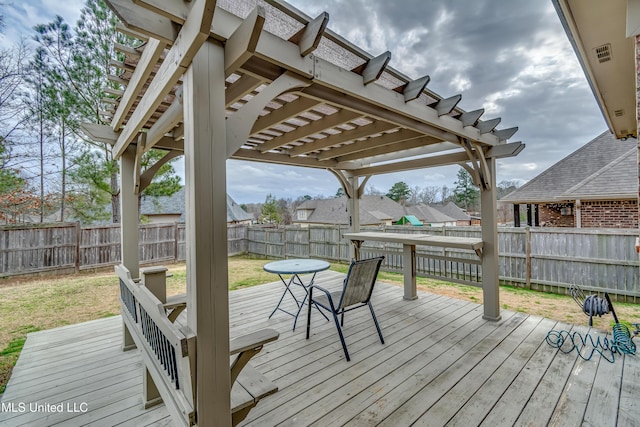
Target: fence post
[[444, 250], [527, 236], [78, 242], [175, 242]]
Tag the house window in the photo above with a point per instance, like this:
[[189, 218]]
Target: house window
[[302, 214]]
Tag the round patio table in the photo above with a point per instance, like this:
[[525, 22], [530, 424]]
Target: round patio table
[[295, 267]]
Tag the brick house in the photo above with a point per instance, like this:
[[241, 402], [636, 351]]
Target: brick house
[[590, 188], [606, 40]]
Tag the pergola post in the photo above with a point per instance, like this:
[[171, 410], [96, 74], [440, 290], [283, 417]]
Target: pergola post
[[489, 214], [205, 150], [129, 226], [353, 208], [637, 64]]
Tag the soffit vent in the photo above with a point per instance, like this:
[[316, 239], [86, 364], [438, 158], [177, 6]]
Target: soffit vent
[[618, 113], [603, 53]]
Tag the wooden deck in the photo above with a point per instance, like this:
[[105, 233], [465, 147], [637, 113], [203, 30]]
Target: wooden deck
[[442, 364]]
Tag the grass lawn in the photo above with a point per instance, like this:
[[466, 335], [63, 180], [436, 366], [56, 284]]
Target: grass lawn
[[28, 305]]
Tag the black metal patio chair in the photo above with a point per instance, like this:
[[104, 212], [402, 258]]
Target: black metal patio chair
[[356, 292]]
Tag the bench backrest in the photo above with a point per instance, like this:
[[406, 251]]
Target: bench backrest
[[167, 350]]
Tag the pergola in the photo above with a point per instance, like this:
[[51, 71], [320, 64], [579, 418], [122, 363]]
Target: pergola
[[261, 81]]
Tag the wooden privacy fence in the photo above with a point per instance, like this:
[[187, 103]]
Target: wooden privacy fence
[[538, 258], [550, 259], [67, 247]]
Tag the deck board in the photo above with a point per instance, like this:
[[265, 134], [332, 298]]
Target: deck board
[[331, 375], [441, 364], [488, 393], [486, 369]]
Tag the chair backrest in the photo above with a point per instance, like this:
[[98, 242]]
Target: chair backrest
[[358, 285]]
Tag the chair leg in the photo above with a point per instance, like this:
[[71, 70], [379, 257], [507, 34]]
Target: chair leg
[[344, 344], [375, 320], [342, 319], [309, 312]]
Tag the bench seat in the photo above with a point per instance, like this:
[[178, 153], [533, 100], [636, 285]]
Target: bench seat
[[168, 353]]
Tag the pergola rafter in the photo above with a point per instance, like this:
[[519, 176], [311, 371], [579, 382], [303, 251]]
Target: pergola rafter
[[211, 85]]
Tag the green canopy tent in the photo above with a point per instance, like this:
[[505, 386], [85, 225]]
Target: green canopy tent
[[410, 220]]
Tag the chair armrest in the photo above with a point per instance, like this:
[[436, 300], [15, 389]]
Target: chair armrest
[[252, 340], [321, 289], [319, 301]]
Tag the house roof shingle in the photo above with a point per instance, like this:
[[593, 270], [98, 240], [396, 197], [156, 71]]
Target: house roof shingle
[[373, 210], [600, 169], [175, 204], [452, 210], [430, 214], [377, 209]]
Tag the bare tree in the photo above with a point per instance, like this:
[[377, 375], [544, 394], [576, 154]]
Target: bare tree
[[446, 194], [285, 208], [373, 191], [429, 195], [13, 65], [506, 187], [414, 195]]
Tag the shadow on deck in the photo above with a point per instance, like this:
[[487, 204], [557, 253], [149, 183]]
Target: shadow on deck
[[442, 364]]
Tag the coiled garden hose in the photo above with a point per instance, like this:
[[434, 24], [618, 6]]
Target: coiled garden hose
[[586, 345]]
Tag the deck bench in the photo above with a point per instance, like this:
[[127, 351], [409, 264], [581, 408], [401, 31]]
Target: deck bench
[[168, 352]]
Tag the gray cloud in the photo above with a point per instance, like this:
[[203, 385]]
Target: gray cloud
[[510, 57]]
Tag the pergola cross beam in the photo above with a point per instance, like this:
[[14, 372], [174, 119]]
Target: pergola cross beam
[[356, 148], [152, 52], [194, 32]]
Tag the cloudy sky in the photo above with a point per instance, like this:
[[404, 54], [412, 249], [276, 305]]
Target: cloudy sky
[[510, 57]]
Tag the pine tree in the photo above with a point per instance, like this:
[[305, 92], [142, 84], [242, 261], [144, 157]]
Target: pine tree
[[399, 192], [270, 213], [36, 101], [92, 189], [165, 181], [57, 41], [466, 193], [81, 64]]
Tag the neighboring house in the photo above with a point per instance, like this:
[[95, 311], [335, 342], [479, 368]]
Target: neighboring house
[[454, 211], [374, 210], [437, 215], [163, 208], [237, 215], [432, 216], [377, 210], [171, 209], [592, 187]]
